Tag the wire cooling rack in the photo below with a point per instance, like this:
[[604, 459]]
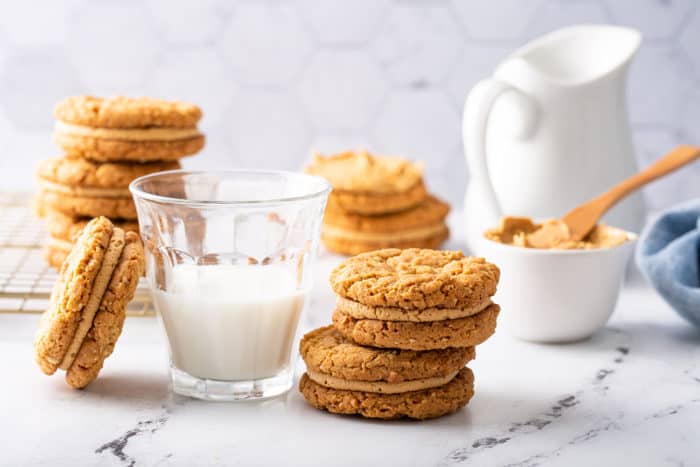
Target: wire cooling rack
[[25, 278]]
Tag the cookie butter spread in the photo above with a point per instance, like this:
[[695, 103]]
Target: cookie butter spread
[[362, 171], [552, 234]]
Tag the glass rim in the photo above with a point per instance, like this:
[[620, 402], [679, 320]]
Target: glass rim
[[137, 191]]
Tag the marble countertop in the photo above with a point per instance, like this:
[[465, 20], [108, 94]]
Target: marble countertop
[[628, 396]]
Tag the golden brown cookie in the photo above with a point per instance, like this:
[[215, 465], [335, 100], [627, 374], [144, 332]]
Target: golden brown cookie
[[415, 279], [127, 129], [64, 227], [127, 112], [109, 319], [71, 294], [56, 252], [349, 247], [86, 173], [368, 184], [327, 351], [421, 404], [105, 150], [370, 204], [84, 203], [430, 211], [422, 226], [387, 313], [461, 332], [88, 302]]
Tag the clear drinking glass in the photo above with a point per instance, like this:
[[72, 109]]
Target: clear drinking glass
[[229, 258]]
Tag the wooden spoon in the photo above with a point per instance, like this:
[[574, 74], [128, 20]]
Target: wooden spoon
[[583, 218]]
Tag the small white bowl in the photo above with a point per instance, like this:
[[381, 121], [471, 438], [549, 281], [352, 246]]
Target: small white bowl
[[557, 295]]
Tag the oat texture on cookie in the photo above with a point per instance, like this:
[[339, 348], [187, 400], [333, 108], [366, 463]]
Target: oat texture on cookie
[[405, 325], [88, 302]]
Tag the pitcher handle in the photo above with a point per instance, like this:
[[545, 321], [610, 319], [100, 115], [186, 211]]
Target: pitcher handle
[[477, 110]]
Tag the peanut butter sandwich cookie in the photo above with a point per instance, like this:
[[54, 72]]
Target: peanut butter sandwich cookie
[[88, 302], [346, 378], [79, 187], [127, 129], [415, 299], [367, 184], [64, 230], [420, 227]]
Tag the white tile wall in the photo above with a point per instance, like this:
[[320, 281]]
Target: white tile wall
[[280, 78]]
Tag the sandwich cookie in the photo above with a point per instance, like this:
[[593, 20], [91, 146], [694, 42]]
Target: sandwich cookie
[[88, 302], [367, 184], [346, 378], [82, 188], [415, 299], [64, 229], [422, 226], [123, 128]]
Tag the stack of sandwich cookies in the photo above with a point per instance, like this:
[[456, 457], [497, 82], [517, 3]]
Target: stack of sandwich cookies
[[415, 299], [346, 378], [88, 302], [423, 311], [108, 143], [83, 188], [123, 128], [378, 202]]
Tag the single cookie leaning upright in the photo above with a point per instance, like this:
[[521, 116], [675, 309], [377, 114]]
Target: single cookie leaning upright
[[416, 299], [88, 302], [422, 227], [346, 378], [124, 128], [367, 184], [83, 188]]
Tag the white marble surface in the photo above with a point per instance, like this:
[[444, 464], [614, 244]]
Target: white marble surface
[[628, 396]]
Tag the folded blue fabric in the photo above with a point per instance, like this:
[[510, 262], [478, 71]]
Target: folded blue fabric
[[669, 256]]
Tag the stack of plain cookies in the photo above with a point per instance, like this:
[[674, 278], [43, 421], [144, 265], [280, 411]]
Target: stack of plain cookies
[[107, 143], [378, 202], [405, 325]]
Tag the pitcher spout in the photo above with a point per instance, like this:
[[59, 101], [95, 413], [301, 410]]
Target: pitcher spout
[[580, 54]]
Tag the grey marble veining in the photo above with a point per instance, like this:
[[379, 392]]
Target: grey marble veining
[[628, 396]]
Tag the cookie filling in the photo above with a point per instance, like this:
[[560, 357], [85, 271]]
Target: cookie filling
[[87, 192], [114, 251], [359, 311], [412, 234], [379, 386], [132, 134], [364, 172]]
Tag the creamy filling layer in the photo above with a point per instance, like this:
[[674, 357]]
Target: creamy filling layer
[[89, 192], [359, 311], [109, 262], [411, 234], [128, 134], [379, 386]]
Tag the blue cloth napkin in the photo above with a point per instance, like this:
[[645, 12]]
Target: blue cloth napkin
[[669, 256]]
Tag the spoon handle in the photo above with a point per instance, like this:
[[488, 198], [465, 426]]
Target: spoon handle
[[675, 159]]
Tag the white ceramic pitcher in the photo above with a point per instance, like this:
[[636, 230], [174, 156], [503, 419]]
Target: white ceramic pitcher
[[550, 129]]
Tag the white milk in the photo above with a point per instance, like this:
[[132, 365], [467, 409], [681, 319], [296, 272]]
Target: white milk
[[229, 322]]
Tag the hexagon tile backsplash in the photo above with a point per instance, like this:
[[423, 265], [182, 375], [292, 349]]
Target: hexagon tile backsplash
[[278, 79]]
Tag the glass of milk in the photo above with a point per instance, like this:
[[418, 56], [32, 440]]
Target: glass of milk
[[229, 258]]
